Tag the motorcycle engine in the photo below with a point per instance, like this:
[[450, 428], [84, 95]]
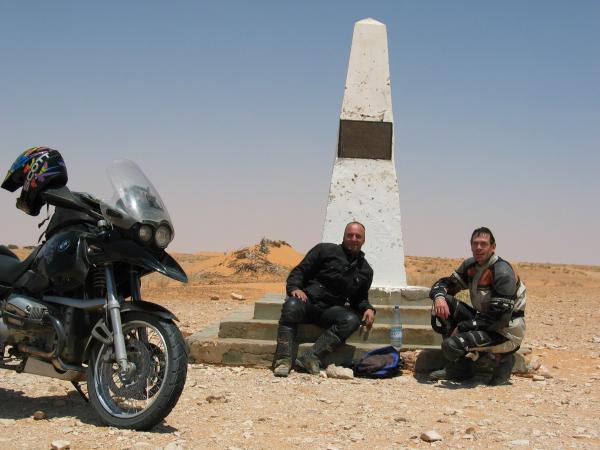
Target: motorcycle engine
[[20, 310], [22, 319]]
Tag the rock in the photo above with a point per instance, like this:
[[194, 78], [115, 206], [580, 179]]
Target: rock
[[534, 364], [429, 360], [342, 373], [538, 378], [175, 445], [214, 297], [520, 366], [355, 437], [524, 351], [235, 296], [60, 445], [410, 359], [543, 371], [216, 399], [519, 443], [39, 415], [470, 430], [431, 436]]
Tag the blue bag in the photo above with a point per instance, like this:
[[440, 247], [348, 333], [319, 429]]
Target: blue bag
[[383, 362]]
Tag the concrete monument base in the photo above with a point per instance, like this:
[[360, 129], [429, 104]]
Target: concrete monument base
[[247, 337]]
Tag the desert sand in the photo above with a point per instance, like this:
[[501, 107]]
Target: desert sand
[[247, 408]]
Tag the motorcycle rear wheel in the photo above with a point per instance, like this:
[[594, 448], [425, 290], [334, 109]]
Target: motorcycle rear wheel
[[148, 395]]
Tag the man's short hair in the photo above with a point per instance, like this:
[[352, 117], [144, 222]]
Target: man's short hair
[[483, 230], [354, 222]]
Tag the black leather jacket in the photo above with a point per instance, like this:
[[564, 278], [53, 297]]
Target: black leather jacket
[[330, 276]]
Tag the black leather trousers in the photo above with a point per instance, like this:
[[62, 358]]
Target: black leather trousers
[[340, 320]]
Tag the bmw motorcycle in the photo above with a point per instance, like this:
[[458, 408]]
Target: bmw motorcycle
[[73, 309]]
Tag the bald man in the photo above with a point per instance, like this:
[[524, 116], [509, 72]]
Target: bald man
[[330, 288]]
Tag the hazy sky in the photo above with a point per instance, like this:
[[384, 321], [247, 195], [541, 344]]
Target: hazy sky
[[232, 109]]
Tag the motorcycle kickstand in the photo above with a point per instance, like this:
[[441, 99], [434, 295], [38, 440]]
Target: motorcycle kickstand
[[78, 389]]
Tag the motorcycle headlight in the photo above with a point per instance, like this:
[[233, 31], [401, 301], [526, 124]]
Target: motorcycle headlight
[[163, 236], [145, 233]]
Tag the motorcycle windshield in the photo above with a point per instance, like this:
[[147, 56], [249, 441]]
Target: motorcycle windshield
[[134, 194]]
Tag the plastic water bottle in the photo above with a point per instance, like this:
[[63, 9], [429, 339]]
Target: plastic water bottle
[[396, 332]]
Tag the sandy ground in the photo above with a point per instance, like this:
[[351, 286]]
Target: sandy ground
[[247, 408]]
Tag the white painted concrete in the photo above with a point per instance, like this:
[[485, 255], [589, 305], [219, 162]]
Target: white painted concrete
[[366, 190], [367, 95]]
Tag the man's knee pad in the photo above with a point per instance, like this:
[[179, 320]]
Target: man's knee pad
[[453, 348], [293, 311]]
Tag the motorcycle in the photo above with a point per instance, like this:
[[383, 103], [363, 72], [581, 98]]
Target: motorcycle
[[73, 309]]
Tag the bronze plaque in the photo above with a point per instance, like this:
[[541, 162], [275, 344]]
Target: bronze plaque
[[367, 140]]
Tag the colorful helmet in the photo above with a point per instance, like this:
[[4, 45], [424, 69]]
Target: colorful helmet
[[35, 170]]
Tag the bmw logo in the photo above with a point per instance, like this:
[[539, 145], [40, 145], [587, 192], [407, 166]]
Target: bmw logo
[[63, 245]]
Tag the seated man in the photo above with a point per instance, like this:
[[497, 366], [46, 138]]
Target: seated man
[[495, 323], [330, 288]]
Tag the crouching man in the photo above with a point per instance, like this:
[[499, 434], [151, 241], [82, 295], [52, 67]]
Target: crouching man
[[329, 288], [494, 326]]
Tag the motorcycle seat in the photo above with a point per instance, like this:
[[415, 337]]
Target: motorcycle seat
[[11, 268]]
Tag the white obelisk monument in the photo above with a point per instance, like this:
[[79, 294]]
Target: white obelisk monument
[[364, 186]]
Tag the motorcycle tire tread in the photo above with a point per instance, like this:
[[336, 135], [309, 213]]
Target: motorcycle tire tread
[[170, 392]]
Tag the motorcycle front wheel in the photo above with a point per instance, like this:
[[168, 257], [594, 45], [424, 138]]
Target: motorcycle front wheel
[[147, 394]]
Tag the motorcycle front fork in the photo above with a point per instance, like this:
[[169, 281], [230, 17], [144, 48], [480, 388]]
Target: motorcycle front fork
[[126, 368]]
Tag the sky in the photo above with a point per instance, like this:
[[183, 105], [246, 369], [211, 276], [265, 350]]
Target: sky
[[231, 108]]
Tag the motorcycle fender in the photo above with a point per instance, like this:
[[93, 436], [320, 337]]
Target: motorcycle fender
[[149, 307], [123, 250], [142, 306]]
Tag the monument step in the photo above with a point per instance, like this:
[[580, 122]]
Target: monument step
[[408, 295], [416, 335], [270, 309], [257, 352]]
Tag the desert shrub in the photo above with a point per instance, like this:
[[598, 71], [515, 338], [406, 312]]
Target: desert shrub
[[263, 247]]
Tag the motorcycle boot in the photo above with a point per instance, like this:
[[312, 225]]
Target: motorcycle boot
[[503, 370], [282, 360], [460, 370], [310, 361], [484, 366]]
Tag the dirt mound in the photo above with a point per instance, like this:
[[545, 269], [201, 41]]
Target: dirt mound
[[269, 260]]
